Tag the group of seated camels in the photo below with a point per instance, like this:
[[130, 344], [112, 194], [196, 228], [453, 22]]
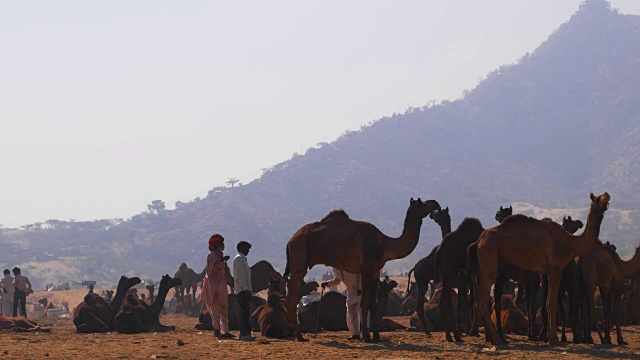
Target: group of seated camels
[[534, 254]]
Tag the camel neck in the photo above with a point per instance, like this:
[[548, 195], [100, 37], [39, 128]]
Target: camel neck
[[446, 229], [584, 243], [398, 248], [157, 305], [631, 267], [118, 298]]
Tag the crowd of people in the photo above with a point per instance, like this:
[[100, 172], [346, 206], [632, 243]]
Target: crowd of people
[[13, 291]]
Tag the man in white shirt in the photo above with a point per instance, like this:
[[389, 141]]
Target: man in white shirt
[[242, 288], [354, 295], [6, 284]]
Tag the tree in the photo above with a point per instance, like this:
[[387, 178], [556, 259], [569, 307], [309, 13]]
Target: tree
[[156, 206], [232, 181]]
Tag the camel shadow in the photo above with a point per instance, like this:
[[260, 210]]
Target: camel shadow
[[562, 349], [383, 345]]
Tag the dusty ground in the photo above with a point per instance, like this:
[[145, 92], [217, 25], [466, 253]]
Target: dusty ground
[[64, 343]]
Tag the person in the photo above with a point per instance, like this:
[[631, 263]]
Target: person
[[354, 295], [90, 292], [22, 288], [242, 288], [7, 293], [214, 287]]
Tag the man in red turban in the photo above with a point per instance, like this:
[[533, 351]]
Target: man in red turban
[[214, 287]]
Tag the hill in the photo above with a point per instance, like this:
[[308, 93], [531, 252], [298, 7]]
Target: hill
[[540, 134]]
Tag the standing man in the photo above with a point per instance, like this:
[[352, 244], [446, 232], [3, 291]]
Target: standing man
[[214, 287], [354, 295], [7, 293], [242, 288], [22, 288]]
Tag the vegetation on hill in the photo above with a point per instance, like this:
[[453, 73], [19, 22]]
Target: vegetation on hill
[[561, 122]]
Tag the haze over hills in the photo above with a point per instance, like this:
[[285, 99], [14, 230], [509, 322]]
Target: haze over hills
[[540, 134]]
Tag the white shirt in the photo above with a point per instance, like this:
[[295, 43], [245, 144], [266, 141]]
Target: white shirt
[[7, 283], [351, 281], [241, 274]]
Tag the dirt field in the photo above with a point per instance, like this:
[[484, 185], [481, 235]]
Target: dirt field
[[64, 343]]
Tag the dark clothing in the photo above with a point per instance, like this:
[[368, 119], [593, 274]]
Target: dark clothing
[[245, 313], [21, 297]]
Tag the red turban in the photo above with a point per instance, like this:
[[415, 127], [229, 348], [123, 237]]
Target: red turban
[[215, 240]]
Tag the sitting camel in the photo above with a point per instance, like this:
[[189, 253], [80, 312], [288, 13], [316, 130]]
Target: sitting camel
[[512, 318], [432, 318], [20, 324], [96, 315], [136, 316], [274, 320]]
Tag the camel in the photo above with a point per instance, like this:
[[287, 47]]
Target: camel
[[432, 315], [190, 281], [568, 284], [274, 320], [20, 324], [136, 316], [513, 320], [96, 315], [306, 288], [451, 266], [537, 246], [394, 304], [262, 273], [604, 268], [354, 246], [424, 268], [409, 304], [334, 311], [531, 282]]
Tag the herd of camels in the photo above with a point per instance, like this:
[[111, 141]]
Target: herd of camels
[[469, 262]]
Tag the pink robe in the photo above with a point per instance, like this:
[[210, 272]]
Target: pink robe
[[214, 284]]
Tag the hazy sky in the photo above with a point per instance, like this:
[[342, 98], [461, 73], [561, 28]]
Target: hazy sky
[[107, 106]]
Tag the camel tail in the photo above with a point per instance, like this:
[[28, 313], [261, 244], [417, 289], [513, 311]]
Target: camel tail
[[409, 282], [438, 264], [472, 258], [287, 270]]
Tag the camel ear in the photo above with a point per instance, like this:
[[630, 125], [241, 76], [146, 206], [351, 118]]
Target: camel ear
[[592, 197], [500, 207], [447, 209], [511, 208], [412, 199], [419, 200]]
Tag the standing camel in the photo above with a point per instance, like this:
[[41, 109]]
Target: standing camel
[[354, 246], [604, 268], [452, 266], [424, 268], [190, 281], [534, 245]]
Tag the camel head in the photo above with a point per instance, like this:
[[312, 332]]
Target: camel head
[[441, 217], [572, 226], [600, 203], [421, 208], [170, 282], [150, 288], [503, 213], [386, 287]]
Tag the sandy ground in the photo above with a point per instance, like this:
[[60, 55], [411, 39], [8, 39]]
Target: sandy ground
[[187, 343]]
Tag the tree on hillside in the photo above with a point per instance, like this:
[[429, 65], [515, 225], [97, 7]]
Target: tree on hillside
[[156, 206], [232, 181]]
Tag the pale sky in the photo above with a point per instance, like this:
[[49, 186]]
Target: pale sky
[[107, 106]]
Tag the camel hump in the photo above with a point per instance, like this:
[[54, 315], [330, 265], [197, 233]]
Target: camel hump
[[335, 215], [518, 218]]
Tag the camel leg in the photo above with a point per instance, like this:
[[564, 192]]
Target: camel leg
[[89, 323], [606, 307], [544, 333], [473, 328], [562, 316], [445, 308], [364, 307], [497, 297], [617, 313], [292, 303], [420, 306], [373, 307], [555, 274], [485, 281], [574, 307], [588, 308]]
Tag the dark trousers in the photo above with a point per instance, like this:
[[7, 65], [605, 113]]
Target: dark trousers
[[245, 324], [21, 298]]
